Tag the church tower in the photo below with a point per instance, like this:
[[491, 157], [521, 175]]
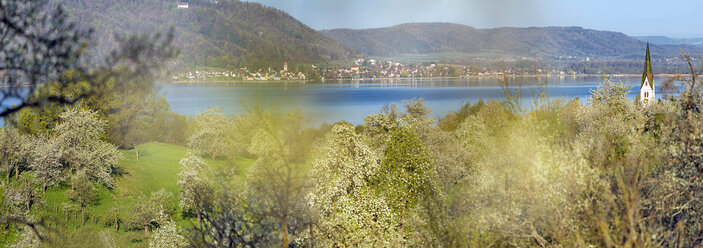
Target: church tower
[[646, 95]]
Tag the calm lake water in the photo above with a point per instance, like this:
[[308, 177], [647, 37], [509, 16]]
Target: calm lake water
[[352, 101]]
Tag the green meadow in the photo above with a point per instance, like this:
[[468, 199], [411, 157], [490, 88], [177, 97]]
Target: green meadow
[[156, 169]]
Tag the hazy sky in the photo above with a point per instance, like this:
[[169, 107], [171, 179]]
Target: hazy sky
[[674, 18]]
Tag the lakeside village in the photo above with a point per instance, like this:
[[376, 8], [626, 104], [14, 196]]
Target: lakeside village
[[243, 74], [361, 69], [371, 69]]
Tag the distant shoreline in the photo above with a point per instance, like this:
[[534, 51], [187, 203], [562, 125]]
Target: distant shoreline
[[656, 75], [421, 78], [238, 81]]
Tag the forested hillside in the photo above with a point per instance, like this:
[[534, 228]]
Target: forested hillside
[[547, 42], [225, 34]]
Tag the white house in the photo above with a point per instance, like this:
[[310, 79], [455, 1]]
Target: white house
[[182, 5]]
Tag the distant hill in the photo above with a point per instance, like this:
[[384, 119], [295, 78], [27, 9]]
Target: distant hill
[[663, 40], [546, 42], [226, 34]]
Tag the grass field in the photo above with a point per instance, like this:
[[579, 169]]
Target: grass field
[[156, 169]]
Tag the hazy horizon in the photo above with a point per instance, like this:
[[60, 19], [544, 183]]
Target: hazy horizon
[[634, 18]]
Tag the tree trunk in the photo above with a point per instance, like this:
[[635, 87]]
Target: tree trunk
[[29, 194], [136, 150], [116, 226], [285, 234], [213, 156], [312, 237], [17, 171], [43, 187], [146, 230], [197, 213]]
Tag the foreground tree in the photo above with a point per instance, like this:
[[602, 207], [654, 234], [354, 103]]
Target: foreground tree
[[15, 150], [143, 213], [232, 220], [150, 211], [135, 115], [406, 172], [350, 210], [168, 235], [46, 162], [126, 126], [212, 135], [83, 192], [195, 189], [277, 182], [407, 179], [673, 194], [78, 139]]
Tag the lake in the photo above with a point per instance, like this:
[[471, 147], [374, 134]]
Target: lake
[[352, 101]]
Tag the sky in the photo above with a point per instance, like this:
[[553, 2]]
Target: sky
[[673, 18]]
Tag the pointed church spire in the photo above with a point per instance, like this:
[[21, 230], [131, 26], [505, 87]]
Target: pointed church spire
[[647, 90], [647, 69]]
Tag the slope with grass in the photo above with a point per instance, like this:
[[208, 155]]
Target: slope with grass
[[156, 169]]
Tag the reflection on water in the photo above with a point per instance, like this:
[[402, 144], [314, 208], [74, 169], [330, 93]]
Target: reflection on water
[[352, 101]]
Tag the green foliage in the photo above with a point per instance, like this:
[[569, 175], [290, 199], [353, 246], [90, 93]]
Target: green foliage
[[408, 180], [108, 239], [133, 111], [27, 239], [143, 214], [37, 120], [46, 163], [78, 138], [157, 169], [195, 188], [233, 220], [672, 191], [350, 211], [451, 121], [276, 180], [406, 174], [164, 201], [612, 173], [377, 126], [521, 190], [274, 186], [152, 211], [611, 94], [212, 134], [607, 126], [83, 191], [15, 150], [168, 236], [416, 109]]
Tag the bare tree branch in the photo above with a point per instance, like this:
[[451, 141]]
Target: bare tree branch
[[39, 45]]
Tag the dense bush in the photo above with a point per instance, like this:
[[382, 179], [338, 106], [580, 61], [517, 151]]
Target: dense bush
[[612, 173]]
